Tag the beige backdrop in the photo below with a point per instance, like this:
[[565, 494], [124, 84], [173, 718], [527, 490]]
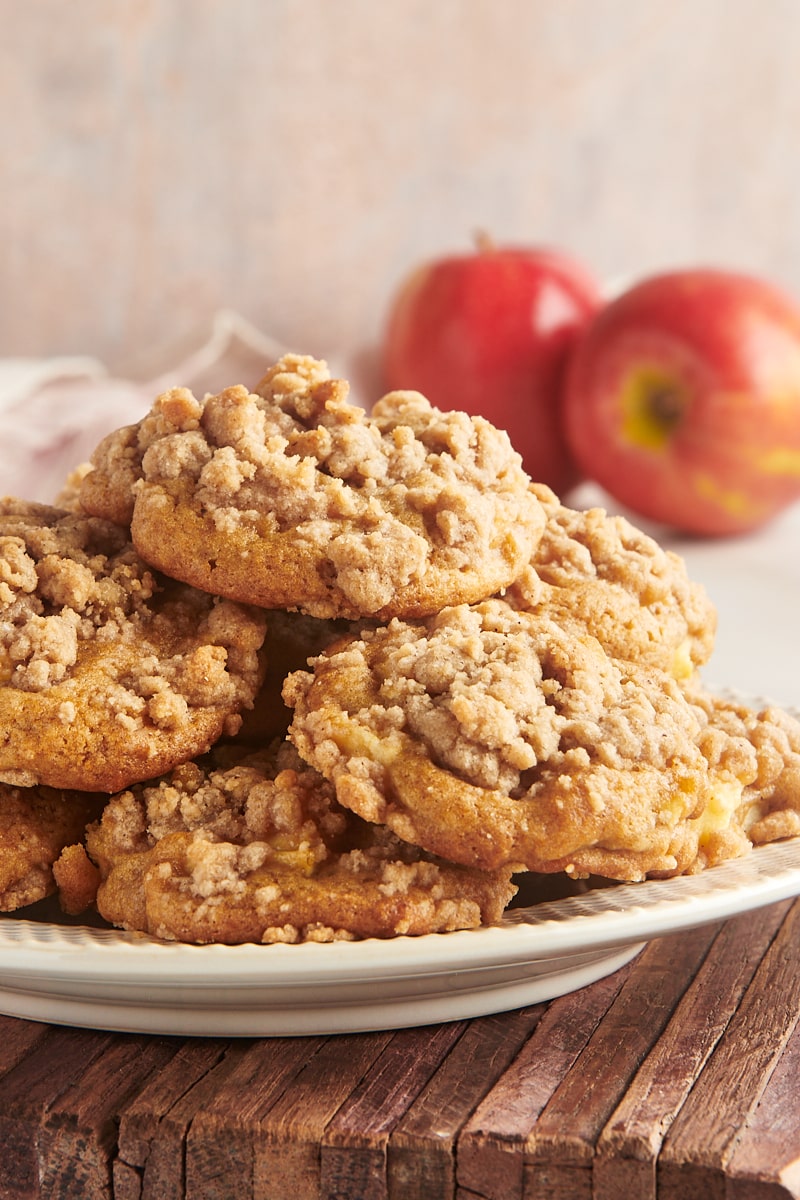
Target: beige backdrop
[[292, 159]]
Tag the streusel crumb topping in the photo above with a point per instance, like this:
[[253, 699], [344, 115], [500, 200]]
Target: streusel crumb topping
[[395, 507], [259, 849], [618, 583]]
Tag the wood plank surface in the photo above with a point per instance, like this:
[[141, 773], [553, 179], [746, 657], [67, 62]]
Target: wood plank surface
[[629, 1145], [77, 1136], [421, 1163], [149, 1160], [491, 1144], [676, 1078], [17, 1039], [355, 1145], [220, 1141], [559, 1149], [28, 1091], [771, 1137], [705, 1133], [164, 1175], [287, 1163]]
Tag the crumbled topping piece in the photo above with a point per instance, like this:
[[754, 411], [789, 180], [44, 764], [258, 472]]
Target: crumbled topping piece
[[259, 850], [495, 737], [292, 497], [107, 671]]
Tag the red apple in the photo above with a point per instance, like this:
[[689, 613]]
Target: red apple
[[683, 400], [489, 333]]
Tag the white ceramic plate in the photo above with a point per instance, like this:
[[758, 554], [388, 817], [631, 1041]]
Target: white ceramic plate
[[67, 973], [106, 979]]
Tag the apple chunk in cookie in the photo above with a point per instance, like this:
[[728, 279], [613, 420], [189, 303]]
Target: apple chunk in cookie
[[769, 809], [500, 738], [108, 673], [291, 497], [256, 849]]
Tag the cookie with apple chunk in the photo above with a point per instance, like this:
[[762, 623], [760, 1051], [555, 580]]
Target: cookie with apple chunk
[[769, 809], [498, 738], [291, 497], [604, 576], [35, 825], [109, 673], [256, 849]]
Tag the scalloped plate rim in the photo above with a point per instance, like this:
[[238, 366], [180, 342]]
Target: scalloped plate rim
[[603, 919]]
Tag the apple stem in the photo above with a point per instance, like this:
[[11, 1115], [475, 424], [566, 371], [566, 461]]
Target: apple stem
[[666, 406], [484, 242]]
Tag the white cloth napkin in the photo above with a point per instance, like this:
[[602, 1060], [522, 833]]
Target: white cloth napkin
[[54, 411]]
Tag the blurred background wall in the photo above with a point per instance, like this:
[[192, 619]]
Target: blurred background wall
[[292, 159]]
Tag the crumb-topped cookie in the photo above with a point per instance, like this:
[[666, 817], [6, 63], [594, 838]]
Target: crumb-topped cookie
[[769, 808], [605, 575], [496, 737], [109, 673], [292, 497], [260, 851], [35, 825]]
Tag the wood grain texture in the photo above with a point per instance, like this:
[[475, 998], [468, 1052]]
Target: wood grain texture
[[287, 1164], [220, 1141], [705, 1133], [164, 1176], [629, 1146], [77, 1136], [17, 1039], [354, 1146], [422, 1164], [771, 1137], [28, 1091], [674, 1079], [153, 1123], [126, 1181], [559, 1150], [491, 1145]]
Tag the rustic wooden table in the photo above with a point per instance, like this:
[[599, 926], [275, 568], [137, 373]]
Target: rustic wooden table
[[675, 1077]]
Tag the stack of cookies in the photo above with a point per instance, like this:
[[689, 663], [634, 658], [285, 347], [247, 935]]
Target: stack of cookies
[[279, 670]]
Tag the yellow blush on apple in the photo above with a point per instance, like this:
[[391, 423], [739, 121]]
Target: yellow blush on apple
[[682, 400]]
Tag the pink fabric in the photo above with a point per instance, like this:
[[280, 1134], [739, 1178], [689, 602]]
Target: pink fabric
[[53, 412]]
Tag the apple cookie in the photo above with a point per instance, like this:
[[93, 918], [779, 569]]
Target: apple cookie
[[108, 673], [494, 737], [77, 879], [35, 825], [260, 851], [603, 575], [769, 809], [291, 497]]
